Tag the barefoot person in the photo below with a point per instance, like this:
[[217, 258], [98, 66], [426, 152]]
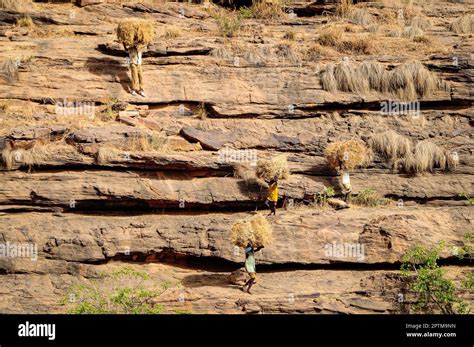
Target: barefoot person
[[250, 266], [272, 196], [135, 57]]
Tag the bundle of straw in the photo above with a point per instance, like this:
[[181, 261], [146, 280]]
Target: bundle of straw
[[274, 168], [135, 32], [255, 231], [346, 155]]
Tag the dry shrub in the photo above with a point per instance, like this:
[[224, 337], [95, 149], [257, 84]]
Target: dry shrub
[[9, 71], [391, 145], [344, 8], [228, 22], [38, 155], [289, 35], [287, 52], [374, 72], [255, 57], [277, 167], [255, 231], [421, 22], [411, 32], [314, 52], [16, 5], [407, 81], [427, 157], [412, 79], [360, 45], [346, 155], [330, 37], [24, 21], [135, 32], [171, 32], [349, 79], [328, 80], [360, 16], [463, 25], [271, 10]]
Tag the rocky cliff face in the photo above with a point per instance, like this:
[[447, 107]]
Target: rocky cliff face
[[97, 178]]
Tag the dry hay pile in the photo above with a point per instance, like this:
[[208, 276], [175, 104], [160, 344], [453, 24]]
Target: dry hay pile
[[255, 231], [391, 145], [408, 81], [275, 168], [428, 156], [346, 155], [135, 32]]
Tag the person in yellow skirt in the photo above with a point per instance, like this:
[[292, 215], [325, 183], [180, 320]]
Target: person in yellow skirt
[[272, 196]]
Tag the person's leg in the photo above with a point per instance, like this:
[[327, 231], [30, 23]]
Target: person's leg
[[134, 76], [140, 77], [251, 281], [272, 208]]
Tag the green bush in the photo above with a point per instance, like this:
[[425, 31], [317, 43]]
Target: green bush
[[228, 23], [322, 198], [119, 292], [435, 292], [368, 197]]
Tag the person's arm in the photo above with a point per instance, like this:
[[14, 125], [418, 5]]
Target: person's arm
[[258, 248]]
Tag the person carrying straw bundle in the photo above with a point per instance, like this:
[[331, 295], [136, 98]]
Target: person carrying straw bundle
[[252, 234], [271, 171], [135, 35]]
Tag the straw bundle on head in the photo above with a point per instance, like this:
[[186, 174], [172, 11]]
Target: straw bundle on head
[[255, 231], [135, 32], [346, 155], [275, 168]]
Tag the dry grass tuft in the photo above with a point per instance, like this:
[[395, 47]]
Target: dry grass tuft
[[344, 8], [328, 80], [171, 32], [9, 71], [25, 21], [360, 16], [287, 52], [38, 155], [333, 37], [412, 79], [135, 32], [228, 22], [427, 157], [411, 32], [391, 145], [346, 155], [289, 35], [421, 22], [269, 10], [349, 79], [407, 81], [255, 231], [463, 25], [374, 72], [277, 167]]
